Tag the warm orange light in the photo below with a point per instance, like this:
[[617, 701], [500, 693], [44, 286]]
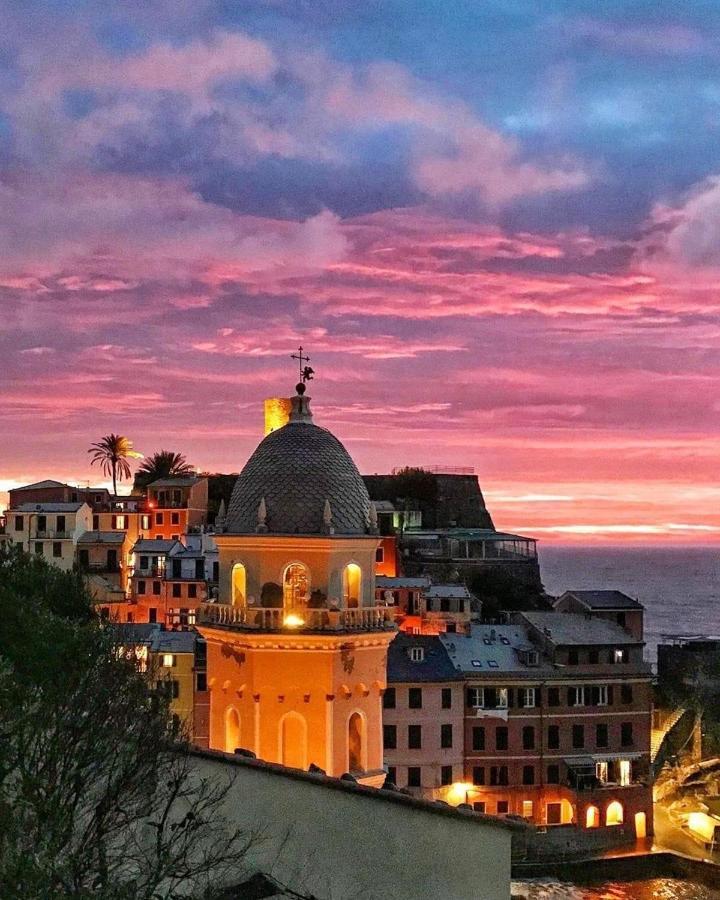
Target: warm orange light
[[293, 621], [458, 792]]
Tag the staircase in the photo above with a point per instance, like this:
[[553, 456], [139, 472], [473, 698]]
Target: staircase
[[658, 735]]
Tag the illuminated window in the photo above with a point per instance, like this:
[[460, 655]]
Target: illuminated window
[[239, 584], [352, 583], [144, 522], [295, 587], [625, 772], [614, 814], [169, 660], [527, 809], [417, 654]]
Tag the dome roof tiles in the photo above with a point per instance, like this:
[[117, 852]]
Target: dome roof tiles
[[296, 469]]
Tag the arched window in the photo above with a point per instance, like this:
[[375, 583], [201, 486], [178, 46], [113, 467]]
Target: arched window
[[293, 741], [592, 817], [355, 742], [238, 585], [614, 813], [232, 730], [352, 586], [296, 584]]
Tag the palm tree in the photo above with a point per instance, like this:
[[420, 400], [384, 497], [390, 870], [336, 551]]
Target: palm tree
[[162, 464], [112, 453]]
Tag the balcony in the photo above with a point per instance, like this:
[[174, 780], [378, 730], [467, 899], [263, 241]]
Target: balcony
[[51, 534], [368, 618]]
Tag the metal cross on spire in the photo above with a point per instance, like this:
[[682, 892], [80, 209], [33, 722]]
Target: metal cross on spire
[[306, 373]]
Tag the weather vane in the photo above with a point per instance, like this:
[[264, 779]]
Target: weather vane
[[306, 373]]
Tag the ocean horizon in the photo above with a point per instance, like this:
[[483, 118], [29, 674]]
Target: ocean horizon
[[679, 585]]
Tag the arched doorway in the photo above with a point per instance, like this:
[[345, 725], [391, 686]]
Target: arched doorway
[[352, 586], [592, 817], [614, 813], [239, 585], [296, 583], [232, 729], [293, 741], [355, 743]]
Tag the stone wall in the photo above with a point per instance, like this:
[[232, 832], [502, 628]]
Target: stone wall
[[338, 840]]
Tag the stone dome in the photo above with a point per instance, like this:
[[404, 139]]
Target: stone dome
[[297, 470]]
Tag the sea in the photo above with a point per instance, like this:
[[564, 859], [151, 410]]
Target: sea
[[680, 590], [678, 586]]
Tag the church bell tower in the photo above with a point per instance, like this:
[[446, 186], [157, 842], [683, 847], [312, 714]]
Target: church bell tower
[[297, 648]]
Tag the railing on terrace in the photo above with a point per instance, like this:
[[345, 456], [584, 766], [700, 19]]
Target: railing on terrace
[[366, 618]]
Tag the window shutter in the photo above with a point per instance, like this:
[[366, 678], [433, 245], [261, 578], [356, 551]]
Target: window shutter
[[571, 696], [610, 694], [510, 697]]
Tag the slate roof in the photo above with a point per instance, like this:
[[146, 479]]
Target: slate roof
[[102, 537], [173, 642], [489, 649], [180, 481], [574, 628], [49, 507], [452, 591], [436, 665], [147, 545], [296, 469], [604, 599]]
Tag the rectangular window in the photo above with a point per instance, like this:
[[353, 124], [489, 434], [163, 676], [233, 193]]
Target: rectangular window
[[202, 681], [553, 696], [42, 523], [626, 734], [475, 697], [96, 523], [152, 614], [174, 518], [380, 555], [57, 549], [156, 588], [498, 775], [159, 518], [60, 524], [414, 737], [527, 809], [601, 735], [175, 689], [391, 775], [39, 548], [169, 660], [19, 523], [626, 693], [446, 698], [446, 775], [141, 587], [145, 523], [413, 776], [389, 698], [601, 697], [390, 737], [177, 590], [192, 591], [578, 736], [620, 656], [502, 807], [478, 737], [528, 737], [144, 562], [554, 813], [501, 738], [415, 698], [553, 737], [526, 697], [478, 774], [553, 774], [528, 776], [576, 696], [446, 737], [120, 523], [479, 806]]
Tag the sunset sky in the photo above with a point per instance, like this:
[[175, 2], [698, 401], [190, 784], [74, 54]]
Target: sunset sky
[[494, 225]]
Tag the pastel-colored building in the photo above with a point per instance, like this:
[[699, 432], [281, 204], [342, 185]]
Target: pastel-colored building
[[50, 530], [175, 506], [422, 607], [297, 646]]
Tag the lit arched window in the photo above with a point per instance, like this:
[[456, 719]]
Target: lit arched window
[[352, 586], [232, 730], [614, 814], [355, 743], [296, 584], [239, 585], [592, 817]]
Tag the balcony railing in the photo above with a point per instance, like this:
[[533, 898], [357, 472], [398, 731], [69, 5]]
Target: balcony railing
[[366, 618], [53, 534]]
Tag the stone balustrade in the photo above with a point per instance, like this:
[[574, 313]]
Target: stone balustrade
[[364, 618]]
